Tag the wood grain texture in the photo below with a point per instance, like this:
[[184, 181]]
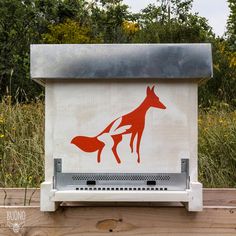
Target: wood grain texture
[[17, 197], [123, 221], [218, 217], [219, 197]]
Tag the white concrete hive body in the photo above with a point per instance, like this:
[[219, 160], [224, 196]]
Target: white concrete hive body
[[121, 121]]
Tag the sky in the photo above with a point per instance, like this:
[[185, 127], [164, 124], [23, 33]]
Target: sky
[[216, 11]]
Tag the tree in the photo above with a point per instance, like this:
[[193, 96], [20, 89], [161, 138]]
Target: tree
[[221, 89], [108, 21], [68, 32], [21, 24], [172, 22], [16, 22], [107, 18], [231, 24]]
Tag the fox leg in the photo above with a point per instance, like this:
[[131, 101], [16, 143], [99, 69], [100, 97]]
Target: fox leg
[[99, 153], [131, 144], [117, 139], [138, 144]]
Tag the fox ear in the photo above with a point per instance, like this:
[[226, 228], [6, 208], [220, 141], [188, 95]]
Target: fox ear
[[148, 90], [152, 89]]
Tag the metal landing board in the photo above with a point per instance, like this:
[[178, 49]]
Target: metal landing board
[[121, 181]]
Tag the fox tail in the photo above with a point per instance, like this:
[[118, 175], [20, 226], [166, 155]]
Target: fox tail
[[87, 144]]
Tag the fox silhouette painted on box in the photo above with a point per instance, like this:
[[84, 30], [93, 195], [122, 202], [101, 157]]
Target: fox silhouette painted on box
[[132, 123]]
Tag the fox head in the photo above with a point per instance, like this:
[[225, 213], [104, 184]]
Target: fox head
[[153, 99]]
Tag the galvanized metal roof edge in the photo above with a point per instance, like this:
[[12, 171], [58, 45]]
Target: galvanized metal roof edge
[[121, 61]]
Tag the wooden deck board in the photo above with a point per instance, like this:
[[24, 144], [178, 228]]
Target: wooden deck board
[[21, 197], [123, 221], [218, 217]]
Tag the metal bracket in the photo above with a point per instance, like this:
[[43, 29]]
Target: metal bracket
[[121, 181]]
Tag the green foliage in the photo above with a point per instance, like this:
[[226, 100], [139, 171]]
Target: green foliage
[[231, 24], [21, 144], [217, 148], [109, 21], [68, 32], [21, 24], [222, 88], [107, 18], [172, 23], [16, 22]]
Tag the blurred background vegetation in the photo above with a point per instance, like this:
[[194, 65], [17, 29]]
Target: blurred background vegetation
[[24, 22]]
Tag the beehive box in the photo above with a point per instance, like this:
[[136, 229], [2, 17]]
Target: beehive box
[[121, 121]]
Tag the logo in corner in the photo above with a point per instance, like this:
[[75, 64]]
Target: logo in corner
[[16, 220]]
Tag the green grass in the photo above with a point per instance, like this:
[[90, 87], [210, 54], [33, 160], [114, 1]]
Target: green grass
[[217, 148], [21, 144], [22, 153]]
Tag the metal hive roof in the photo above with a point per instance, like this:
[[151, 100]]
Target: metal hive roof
[[120, 61]]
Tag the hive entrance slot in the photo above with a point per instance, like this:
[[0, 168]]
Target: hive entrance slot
[[91, 182], [121, 181]]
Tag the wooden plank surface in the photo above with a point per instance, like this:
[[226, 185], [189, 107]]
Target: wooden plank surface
[[219, 197], [123, 221], [218, 217], [21, 197]]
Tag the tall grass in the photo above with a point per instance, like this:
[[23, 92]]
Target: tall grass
[[217, 148], [21, 144], [22, 135]]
